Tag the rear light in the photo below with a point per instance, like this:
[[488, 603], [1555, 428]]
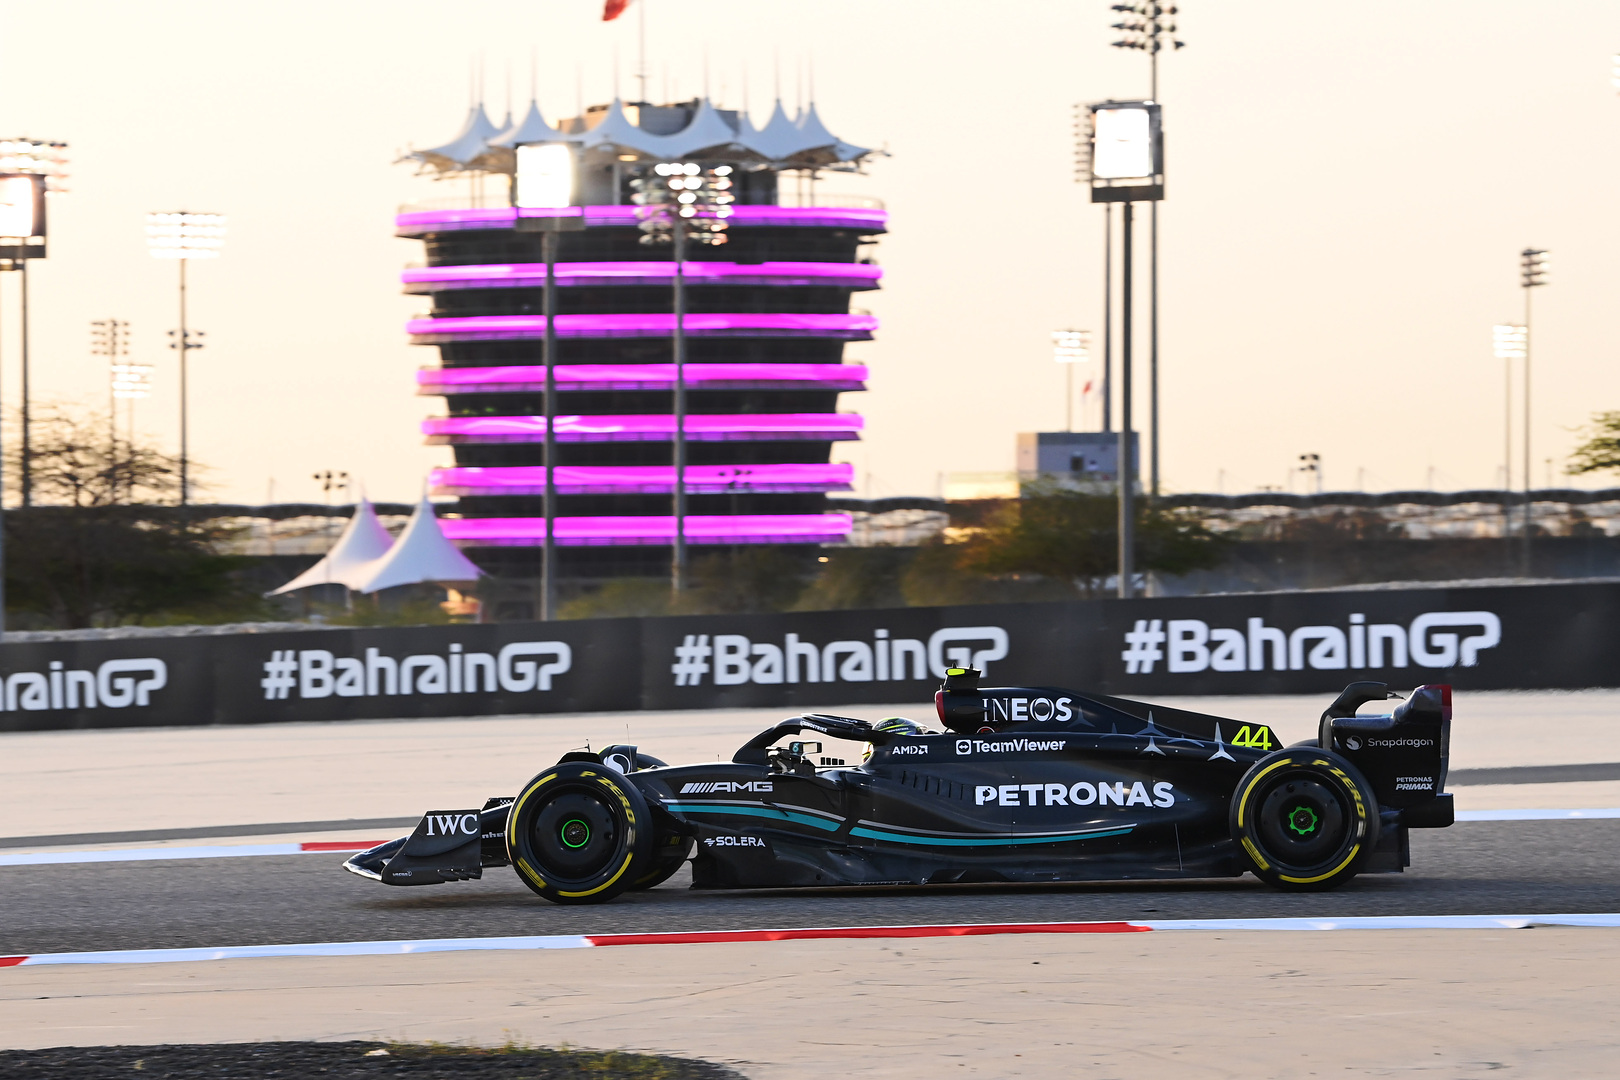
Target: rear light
[[939, 705]]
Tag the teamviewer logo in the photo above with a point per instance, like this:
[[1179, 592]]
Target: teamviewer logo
[[692, 660]]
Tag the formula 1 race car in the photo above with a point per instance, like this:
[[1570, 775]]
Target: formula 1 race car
[[1029, 784]]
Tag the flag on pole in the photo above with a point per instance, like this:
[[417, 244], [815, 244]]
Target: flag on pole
[[613, 9]]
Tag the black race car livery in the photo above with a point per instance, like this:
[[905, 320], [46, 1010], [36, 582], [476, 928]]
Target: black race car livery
[[1026, 784]]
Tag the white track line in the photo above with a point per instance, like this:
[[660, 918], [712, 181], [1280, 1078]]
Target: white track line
[[216, 851], [585, 941], [1538, 814]]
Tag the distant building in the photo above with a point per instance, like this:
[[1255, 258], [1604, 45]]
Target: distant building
[[768, 315], [1090, 457]]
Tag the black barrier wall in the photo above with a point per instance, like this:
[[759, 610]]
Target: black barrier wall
[[1515, 637]]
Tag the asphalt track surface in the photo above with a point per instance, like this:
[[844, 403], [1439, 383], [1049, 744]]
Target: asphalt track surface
[[1471, 868]]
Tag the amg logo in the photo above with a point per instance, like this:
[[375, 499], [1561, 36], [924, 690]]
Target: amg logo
[[710, 787], [452, 824]]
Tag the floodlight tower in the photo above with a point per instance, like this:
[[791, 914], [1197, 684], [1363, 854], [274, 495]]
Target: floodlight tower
[[1126, 164], [544, 183], [183, 236], [1508, 341], [1070, 347], [682, 201], [1150, 27], [1533, 268], [29, 168], [110, 338]]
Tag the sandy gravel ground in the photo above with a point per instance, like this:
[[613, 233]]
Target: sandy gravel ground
[[1448, 1003]]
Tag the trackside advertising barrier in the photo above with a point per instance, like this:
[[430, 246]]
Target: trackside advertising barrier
[[1515, 637]]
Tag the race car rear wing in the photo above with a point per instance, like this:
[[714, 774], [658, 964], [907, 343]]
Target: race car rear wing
[[1404, 755]]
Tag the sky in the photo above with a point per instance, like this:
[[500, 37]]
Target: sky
[[1349, 186]]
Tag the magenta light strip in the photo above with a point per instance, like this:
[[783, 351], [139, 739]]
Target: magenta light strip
[[416, 223], [700, 529], [494, 380], [655, 427], [533, 327], [533, 275], [641, 479]]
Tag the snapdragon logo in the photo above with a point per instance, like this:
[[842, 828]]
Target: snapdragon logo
[[317, 673], [115, 684], [736, 660], [1435, 639]]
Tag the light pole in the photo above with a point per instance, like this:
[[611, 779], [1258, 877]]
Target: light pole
[[110, 338], [545, 179], [1312, 463], [1126, 165], [183, 236], [1151, 28], [1532, 275], [1509, 343], [682, 201], [1070, 347], [26, 166]]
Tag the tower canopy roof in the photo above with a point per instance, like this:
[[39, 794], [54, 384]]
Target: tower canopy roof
[[420, 554], [363, 541], [707, 131]]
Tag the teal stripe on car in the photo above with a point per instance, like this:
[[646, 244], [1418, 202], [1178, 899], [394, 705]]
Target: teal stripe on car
[[754, 811], [988, 841]]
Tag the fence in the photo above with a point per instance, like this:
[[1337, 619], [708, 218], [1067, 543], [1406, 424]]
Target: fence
[[1512, 637]]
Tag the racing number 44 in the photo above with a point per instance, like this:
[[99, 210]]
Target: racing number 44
[[1257, 737]]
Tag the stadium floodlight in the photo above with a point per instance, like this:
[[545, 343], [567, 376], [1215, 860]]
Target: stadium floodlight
[[22, 208], [183, 236], [545, 177], [1125, 143]]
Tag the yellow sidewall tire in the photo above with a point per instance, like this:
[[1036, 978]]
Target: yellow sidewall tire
[[1352, 811], [624, 836]]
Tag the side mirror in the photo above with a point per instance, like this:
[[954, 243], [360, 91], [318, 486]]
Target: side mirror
[[802, 749]]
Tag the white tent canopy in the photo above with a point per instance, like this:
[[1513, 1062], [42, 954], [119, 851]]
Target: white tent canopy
[[420, 554], [362, 543]]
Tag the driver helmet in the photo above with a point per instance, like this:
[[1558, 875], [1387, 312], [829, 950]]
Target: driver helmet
[[895, 725], [899, 725]]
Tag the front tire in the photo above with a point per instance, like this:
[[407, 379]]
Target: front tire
[[579, 833], [1306, 819]]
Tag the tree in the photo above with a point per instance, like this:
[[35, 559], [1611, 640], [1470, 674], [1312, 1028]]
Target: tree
[[88, 553], [1074, 537], [1601, 449]]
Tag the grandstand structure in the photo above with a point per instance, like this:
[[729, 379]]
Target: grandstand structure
[[768, 317]]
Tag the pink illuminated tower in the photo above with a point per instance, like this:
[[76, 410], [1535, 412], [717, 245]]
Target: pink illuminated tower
[[768, 315]]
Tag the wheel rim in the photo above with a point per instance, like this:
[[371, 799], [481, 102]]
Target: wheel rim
[[576, 835], [1302, 821]]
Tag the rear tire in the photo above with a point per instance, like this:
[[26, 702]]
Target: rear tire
[[579, 833], [1306, 819]]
